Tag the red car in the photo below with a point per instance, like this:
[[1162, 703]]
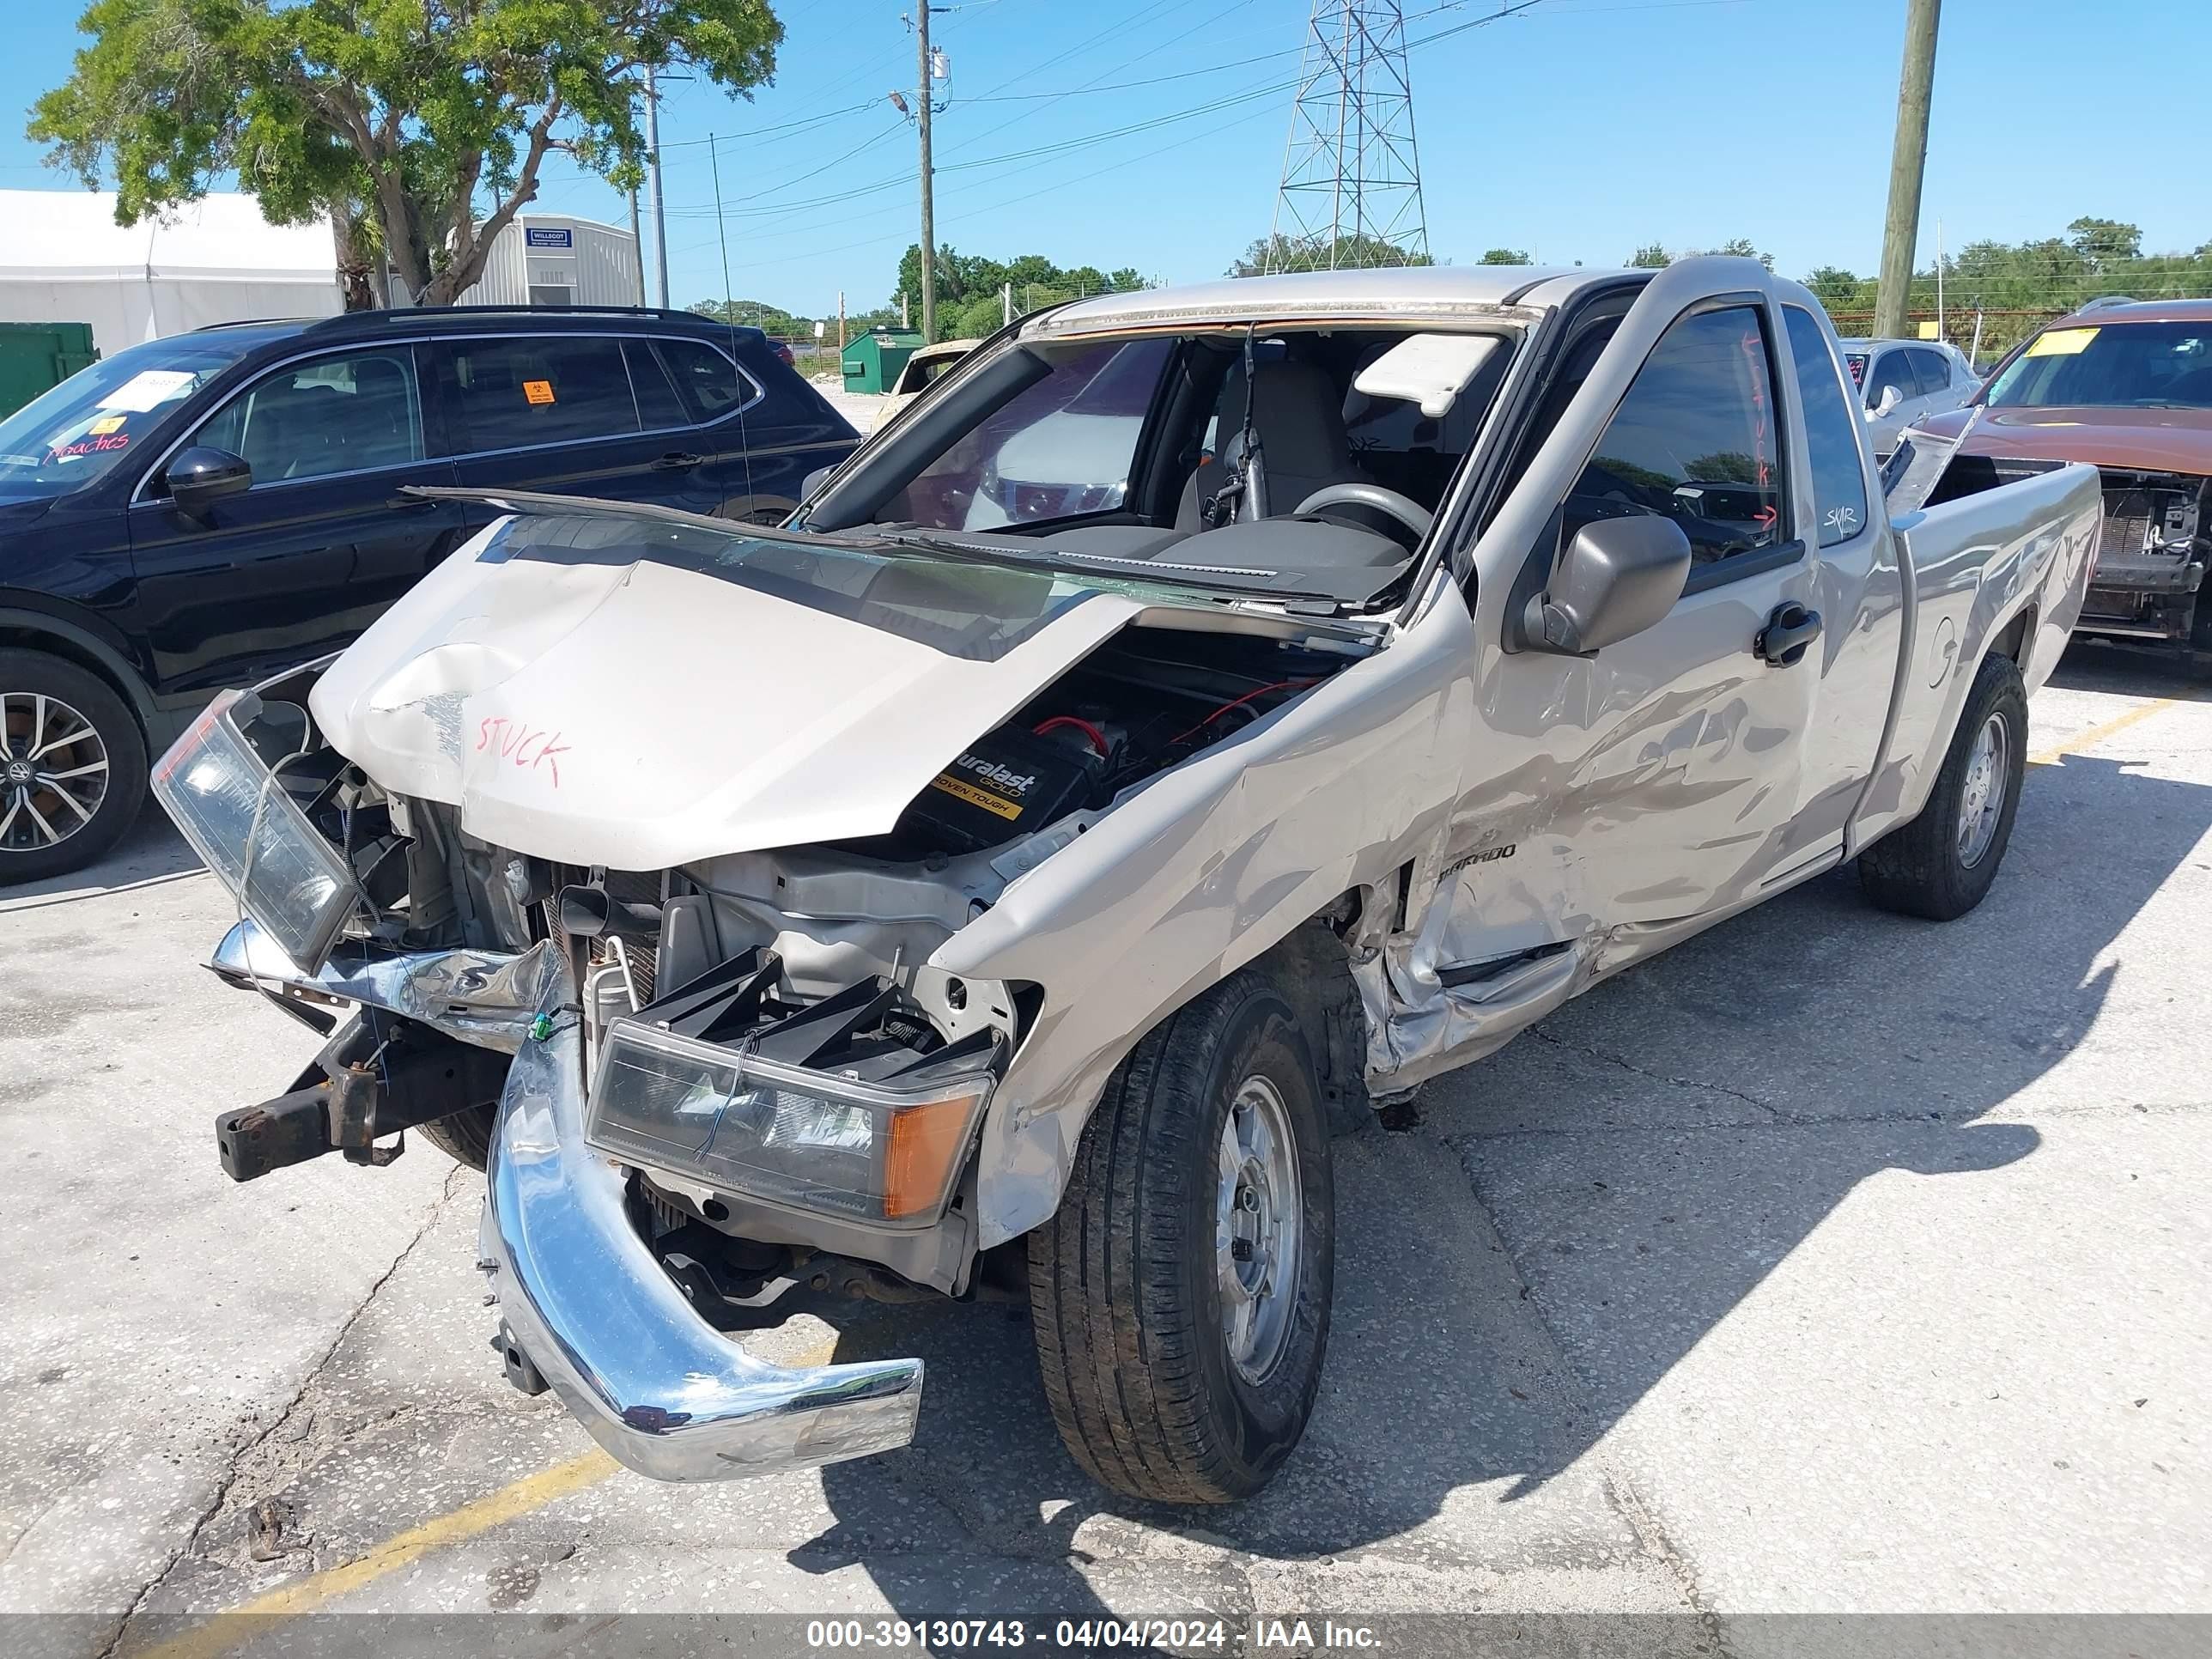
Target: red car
[[2127, 386]]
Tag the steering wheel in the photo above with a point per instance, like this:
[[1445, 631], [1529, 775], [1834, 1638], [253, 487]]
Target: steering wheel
[[1404, 508]]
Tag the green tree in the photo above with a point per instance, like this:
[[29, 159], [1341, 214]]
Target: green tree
[[1834, 286], [1505, 256], [758, 313], [394, 113], [1649, 257], [2105, 242], [1280, 252], [1743, 248], [969, 283]]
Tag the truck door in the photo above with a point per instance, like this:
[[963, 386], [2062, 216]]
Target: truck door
[[1857, 592], [1659, 780]]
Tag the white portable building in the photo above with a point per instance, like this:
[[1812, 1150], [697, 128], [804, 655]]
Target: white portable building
[[64, 259], [558, 260]]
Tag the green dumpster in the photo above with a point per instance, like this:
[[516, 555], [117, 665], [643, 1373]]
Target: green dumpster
[[35, 356], [873, 360]]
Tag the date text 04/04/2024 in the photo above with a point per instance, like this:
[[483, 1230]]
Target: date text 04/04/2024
[[1179, 1635]]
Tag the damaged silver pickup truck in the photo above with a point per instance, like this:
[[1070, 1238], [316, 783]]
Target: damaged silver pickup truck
[[1205, 715]]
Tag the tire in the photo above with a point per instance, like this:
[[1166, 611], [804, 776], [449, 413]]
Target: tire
[[464, 1136], [1126, 1282], [51, 704], [1932, 866]]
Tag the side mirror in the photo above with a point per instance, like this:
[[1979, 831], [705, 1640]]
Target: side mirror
[[201, 476], [815, 480], [1891, 397], [1619, 577]]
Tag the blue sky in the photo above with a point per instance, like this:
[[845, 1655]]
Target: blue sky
[[1577, 130]]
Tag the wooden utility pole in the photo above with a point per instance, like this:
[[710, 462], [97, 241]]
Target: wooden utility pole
[[659, 213], [928, 209], [1908, 160]]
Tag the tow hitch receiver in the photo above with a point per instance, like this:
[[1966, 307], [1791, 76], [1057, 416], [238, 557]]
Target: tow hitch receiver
[[362, 1087]]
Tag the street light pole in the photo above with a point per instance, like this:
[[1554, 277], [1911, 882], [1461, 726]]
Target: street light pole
[[1908, 161]]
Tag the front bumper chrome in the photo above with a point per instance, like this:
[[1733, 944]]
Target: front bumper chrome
[[485, 996], [653, 1383]]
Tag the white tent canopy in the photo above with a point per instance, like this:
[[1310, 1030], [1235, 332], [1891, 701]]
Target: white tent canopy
[[64, 259]]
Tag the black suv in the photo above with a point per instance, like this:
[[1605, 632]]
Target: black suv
[[206, 510]]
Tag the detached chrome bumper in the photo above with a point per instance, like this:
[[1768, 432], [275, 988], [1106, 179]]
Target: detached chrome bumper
[[653, 1382], [485, 996], [581, 1294]]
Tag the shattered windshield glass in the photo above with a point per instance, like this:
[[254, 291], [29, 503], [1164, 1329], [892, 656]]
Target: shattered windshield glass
[[968, 609]]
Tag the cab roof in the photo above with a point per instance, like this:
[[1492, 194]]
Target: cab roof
[[1415, 290]]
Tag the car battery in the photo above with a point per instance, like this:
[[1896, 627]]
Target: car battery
[[1007, 783]]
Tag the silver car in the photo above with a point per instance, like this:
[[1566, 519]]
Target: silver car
[[1203, 717], [1901, 382]]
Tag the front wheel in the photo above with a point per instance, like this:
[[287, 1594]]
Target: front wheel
[[1181, 1296], [1942, 864], [72, 766]]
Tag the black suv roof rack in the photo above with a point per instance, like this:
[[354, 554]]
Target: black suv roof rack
[[404, 314], [256, 322]]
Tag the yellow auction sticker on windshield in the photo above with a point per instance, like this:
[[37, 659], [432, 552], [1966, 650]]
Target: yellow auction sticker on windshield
[[539, 391], [107, 423], [2061, 342]]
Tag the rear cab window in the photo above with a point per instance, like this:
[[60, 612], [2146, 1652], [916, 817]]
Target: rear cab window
[[1831, 431]]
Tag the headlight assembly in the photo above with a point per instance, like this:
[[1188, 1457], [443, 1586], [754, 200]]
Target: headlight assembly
[[885, 1153], [235, 813]]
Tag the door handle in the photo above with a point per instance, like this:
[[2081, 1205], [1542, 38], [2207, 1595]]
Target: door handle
[[676, 460], [1788, 634]]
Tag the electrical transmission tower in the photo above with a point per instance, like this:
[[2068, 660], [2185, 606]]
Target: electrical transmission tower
[[1351, 178]]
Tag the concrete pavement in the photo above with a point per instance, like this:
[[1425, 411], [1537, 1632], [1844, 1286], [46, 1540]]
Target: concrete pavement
[[1831, 1262]]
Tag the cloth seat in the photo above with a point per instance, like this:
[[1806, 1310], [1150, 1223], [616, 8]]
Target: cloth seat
[[1298, 416]]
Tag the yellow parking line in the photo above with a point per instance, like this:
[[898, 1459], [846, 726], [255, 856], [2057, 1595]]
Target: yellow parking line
[[2082, 741], [225, 1630]]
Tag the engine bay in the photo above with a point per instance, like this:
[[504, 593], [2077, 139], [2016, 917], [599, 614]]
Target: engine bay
[[1144, 702]]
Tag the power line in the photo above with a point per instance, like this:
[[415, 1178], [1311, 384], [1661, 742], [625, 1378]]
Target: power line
[[1030, 154]]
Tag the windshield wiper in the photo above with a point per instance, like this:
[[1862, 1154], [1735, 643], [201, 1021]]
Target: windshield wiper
[[1158, 573]]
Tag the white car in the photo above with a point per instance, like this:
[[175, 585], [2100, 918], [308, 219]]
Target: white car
[[1902, 381], [920, 372]]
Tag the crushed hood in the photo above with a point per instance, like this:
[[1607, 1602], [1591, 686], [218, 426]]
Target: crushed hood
[[2145, 439], [618, 709]]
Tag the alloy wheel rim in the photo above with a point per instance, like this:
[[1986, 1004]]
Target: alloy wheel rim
[[1981, 802], [53, 771], [1259, 1229]]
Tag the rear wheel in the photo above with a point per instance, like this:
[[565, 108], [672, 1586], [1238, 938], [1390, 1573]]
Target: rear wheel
[[1181, 1296], [1942, 864], [72, 766]]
